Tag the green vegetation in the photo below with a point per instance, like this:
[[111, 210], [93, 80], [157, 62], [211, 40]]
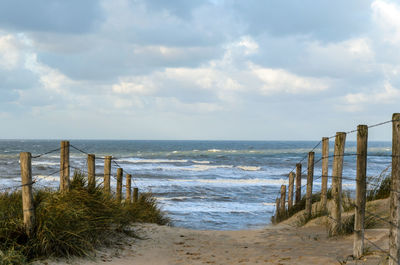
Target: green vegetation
[[70, 224], [347, 225], [300, 206], [380, 186]]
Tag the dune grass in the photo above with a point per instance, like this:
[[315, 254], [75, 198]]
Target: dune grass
[[70, 224], [379, 187]]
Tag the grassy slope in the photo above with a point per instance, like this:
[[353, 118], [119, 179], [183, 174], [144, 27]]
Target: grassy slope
[[68, 224]]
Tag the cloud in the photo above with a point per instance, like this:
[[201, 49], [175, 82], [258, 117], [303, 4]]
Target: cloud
[[281, 81], [387, 16], [195, 63], [359, 101], [137, 86], [9, 52]]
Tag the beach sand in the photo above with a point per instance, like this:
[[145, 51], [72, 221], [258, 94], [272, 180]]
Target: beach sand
[[274, 244], [280, 244]]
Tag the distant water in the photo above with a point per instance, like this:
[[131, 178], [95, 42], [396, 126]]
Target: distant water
[[220, 185]]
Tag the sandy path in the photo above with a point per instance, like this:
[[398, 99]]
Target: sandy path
[[272, 245]]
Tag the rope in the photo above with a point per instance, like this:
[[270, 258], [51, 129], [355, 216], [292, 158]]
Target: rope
[[46, 153]]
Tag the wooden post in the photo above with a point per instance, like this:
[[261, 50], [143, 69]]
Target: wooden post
[[283, 201], [394, 233], [337, 170], [27, 196], [290, 194], [298, 183], [107, 174], [135, 194], [310, 176], [277, 213], [119, 184], [324, 177], [64, 166], [91, 161], [128, 188], [361, 186]]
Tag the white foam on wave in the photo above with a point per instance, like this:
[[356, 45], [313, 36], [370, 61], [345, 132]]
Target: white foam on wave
[[48, 178], [45, 163], [213, 150], [256, 181], [201, 162], [151, 161], [221, 151], [249, 168], [204, 167], [213, 207], [269, 203]]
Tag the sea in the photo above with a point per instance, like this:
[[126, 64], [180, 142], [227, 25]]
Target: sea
[[204, 185]]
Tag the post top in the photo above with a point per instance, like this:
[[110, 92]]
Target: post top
[[396, 116]]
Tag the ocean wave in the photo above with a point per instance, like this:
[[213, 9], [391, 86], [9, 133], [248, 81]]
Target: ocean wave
[[203, 167], [201, 162], [48, 178], [269, 203], [213, 150], [45, 163], [256, 181], [151, 161], [249, 168]]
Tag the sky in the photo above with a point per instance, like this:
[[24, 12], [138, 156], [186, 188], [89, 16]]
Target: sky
[[198, 69]]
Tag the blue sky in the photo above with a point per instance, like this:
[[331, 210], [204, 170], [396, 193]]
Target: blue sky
[[212, 69]]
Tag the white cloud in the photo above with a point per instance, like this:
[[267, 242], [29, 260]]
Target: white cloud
[[135, 86], [387, 15], [358, 101], [9, 52], [50, 78], [249, 44], [282, 81]]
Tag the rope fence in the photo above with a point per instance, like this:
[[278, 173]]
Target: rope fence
[[364, 185]]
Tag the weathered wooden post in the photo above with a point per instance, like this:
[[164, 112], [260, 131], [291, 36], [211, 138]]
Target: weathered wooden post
[[310, 177], [135, 194], [128, 197], [290, 194], [394, 232], [298, 183], [337, 170], [361, 186], [64, 166], [27, 196], [107, 174], [119, 184], [91, 161], [277, 213], [283, 201], [324, 177]]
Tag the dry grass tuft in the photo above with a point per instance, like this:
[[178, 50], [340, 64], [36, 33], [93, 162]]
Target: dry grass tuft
[[70, 224]]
